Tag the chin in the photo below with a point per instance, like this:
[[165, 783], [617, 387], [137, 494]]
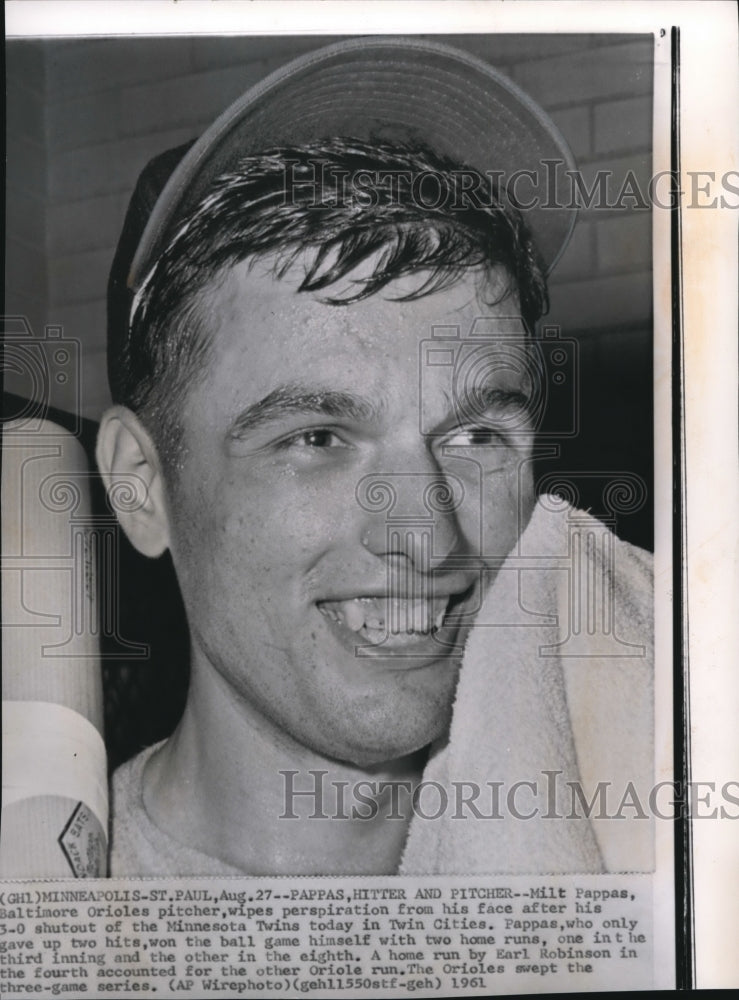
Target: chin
[[399, 745]]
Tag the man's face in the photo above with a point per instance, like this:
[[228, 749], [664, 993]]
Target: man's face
[[346, 492]]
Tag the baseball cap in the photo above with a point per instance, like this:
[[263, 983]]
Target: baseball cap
[[387, 88], [379, 88]]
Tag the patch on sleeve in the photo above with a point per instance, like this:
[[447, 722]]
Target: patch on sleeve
[[84, 843]]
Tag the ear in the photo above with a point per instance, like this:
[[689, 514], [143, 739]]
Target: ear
[[131, 470]]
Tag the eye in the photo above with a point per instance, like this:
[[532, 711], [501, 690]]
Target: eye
[[316, 437], [472, 437]]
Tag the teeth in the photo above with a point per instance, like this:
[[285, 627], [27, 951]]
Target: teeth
[[376, 616], [354, 615]]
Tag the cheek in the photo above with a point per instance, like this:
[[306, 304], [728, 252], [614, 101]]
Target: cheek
[[269, 520], [509, 502], [209, 539], [496, 507], [286, 517]]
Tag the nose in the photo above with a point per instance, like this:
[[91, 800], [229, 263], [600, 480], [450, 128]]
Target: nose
[[412, 514]]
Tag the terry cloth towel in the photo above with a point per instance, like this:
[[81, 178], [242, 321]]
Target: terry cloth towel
[[556, 690]]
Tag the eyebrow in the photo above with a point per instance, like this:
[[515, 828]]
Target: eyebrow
[[488, 398], [296, 397]]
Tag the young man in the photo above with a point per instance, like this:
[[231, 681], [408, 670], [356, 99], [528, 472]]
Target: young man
[[326, 398]]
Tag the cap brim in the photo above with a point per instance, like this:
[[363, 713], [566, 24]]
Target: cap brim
[[384, 89]]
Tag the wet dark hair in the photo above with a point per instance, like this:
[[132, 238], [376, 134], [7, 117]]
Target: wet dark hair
[[344, 200]]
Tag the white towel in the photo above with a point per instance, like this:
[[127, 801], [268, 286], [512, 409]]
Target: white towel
[[556, 677]]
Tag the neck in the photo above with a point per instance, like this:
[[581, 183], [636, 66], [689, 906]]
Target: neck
[[231, 784]]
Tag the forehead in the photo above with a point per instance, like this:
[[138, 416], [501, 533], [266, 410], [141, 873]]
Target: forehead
[[248, 308], [265, 334]]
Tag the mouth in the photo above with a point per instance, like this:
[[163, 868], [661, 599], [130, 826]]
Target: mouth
[[393, 621]]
